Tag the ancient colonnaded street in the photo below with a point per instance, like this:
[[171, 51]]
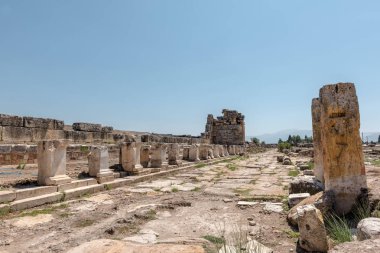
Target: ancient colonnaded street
[[191, 211]]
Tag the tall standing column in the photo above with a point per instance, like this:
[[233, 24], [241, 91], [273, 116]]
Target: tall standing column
[[343, 161], [51, 157], [98, 164], [318, 158]]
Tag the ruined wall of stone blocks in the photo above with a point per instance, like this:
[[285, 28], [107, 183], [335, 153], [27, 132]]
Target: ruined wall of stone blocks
[[15, 154], [228, 129]]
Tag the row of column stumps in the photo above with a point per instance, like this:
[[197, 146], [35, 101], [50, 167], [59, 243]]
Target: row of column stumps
[[338, 152], [135, 158]]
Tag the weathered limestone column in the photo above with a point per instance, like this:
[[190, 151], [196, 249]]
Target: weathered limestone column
[[318, 159], [144, 156], [173, 154], [130, 157], [51, 157], [231, 149], [204, 152], [98, 164], [194, 153], [343, 161], [221, 150], [186, 153], [225, 147], [216, 151], [158, 157]]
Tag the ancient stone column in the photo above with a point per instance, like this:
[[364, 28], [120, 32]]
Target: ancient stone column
[[225, 147], [186, 153], [130, 157], [98, 164], [343, 161], [204, 152], [216, 151], [51, 156], [194, 153], [221, 150], [144, 155], [318, 159], [158, 157], [231, 149], [173, 154]]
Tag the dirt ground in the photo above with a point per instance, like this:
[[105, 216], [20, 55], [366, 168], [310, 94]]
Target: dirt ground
[[196, 208]]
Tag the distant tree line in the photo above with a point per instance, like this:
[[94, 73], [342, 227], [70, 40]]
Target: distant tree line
[[293, 140]]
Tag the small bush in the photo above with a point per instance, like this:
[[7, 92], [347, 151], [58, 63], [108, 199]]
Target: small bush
[[175, 189], [200, 165], [283, 145], [293, 173], [231, 167], [21, 166]]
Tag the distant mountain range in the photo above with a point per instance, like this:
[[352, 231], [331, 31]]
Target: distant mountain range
[[274, 137]]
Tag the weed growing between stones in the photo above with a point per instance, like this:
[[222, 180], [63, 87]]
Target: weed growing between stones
[[338, 228]]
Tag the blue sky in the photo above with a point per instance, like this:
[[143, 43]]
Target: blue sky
[[162, 66]]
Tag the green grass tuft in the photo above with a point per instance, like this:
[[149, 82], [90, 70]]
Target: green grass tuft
[[338, 228], [293, 173], [200, 165], [214, 239], [232, 167]]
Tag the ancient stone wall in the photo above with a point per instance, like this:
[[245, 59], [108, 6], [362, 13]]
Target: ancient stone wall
[[228, 129]]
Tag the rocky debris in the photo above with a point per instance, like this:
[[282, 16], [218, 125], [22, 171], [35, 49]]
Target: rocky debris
[[87, 127], [10, 120], [303, 167], [304, 184], [324, 201], [368, 228], [145, 236], [273, 207], [251, 246], [115, 246], [308, 173], [280, 158], [368, 246], [287, 161], [247, 203], [296, 198], [107, 129], [312, 229]]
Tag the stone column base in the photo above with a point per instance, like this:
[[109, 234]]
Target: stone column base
[[104, 177], [58, 180]]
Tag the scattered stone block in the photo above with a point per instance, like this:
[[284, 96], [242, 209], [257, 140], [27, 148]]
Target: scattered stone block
[[52, 162], [286, 161], [368, 228], [308, 173], [304, 184], [324, 201], [294, 199], [31, 122], [280, 158], [7, 196], [313, 237], [87, 127]]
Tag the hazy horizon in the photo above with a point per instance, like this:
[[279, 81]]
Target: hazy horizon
[[163, 66]]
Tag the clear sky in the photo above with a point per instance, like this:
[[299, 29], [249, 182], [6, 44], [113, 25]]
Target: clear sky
[[162, 66]]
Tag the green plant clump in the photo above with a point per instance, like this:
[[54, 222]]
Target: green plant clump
[[338, 228]]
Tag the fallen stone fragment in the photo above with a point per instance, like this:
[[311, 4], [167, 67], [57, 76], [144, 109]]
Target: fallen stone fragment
[[247, 203], [252, 246], [294, 199], [367, 246], [324, 201], [273, 207], [312, 229], [304, 184], [369, 228]]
